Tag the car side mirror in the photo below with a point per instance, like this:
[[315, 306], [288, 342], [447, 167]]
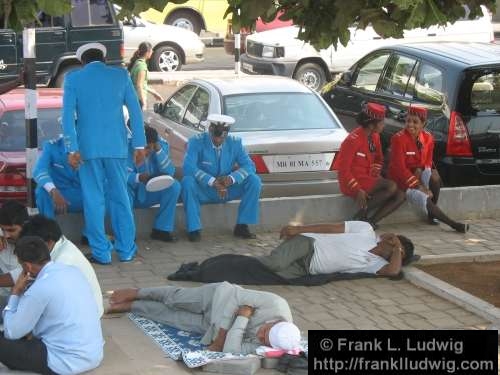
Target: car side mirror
[[346, 78], [158, 107]]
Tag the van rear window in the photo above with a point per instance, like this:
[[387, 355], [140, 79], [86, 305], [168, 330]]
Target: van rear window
[[90, 13], [485, 92]]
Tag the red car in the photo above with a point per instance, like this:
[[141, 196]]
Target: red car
[[13, 136]]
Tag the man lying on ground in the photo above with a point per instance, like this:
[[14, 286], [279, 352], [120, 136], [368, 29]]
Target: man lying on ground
[[310, 254], [231, 319]]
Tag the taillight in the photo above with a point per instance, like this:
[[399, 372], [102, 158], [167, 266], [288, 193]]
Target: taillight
[[12, 181], [260, 165], [458, 137]]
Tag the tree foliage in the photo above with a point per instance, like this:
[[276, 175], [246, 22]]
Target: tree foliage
[[322, 22]]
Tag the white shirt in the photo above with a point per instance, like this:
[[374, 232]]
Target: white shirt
[[66, 252], [8, 263], [347, 252]]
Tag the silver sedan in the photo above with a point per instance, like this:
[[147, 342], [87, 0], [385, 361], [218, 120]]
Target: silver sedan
[[289, 131]]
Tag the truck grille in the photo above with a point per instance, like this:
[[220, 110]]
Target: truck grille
[[254, 49]]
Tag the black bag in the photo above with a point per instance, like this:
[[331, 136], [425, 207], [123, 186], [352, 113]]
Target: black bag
[[293, 364]]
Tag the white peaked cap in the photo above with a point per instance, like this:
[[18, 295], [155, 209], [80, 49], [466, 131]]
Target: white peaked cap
[[285, 336], [86, 47], [220, 118]]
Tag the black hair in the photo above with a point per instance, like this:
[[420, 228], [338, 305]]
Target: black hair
[[91, 55], [364, 120], [43, 227], [141, 51], [13, 213], [408, 247], [32, 249], [151, 134]]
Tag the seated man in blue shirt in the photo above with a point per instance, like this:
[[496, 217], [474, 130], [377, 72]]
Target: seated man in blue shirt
[[217, 169], [156, 163], [58, 311]]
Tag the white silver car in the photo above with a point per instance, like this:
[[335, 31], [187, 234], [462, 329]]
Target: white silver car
[[289, 131], [172, 46]]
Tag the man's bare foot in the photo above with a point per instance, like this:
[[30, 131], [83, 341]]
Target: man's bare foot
[[123, 295], [119, 307]]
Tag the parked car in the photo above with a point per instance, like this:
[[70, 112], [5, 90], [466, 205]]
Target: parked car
[[172, 46], [58, 38], [289, 131], [458, 83], [280, 52], [13, 136]]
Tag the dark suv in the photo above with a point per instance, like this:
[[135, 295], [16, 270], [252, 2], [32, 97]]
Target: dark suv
[[458, 83], [57, 39]]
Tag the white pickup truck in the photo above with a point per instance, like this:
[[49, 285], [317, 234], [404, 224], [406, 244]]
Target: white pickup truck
[[279, 52]]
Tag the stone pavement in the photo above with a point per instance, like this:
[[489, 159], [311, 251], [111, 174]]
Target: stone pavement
[[358, 304]]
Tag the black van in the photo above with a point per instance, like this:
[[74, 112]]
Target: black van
[[458, 83], [58, 38]]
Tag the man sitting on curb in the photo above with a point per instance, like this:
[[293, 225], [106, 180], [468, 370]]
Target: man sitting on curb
[[58, 313], [310, 254], [232, 319]]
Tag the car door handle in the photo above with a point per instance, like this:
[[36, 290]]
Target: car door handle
[[432, 34]]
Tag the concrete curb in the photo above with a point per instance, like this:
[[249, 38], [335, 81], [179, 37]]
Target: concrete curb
[[480, 256], [452, 294], [179, 77]]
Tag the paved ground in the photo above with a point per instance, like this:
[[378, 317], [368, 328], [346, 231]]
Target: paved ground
[[359, 304]]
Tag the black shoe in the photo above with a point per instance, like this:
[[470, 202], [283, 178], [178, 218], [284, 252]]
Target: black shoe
[[461, 228], [194, 236], [93, 260], [129, 259], [242, 231], [162, 235]]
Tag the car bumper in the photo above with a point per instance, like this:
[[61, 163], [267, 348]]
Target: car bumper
[[194, 54], [468, 171], [251, 65], [276, 185]]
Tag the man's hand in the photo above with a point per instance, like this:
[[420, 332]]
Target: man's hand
[[144, 177], [74, 159], [225, 181], [245, 310], [139, 156], [362, 199], [221, 189], [157, 96], [60, 203], [215, 347], [21, 283], [157, 146], [3, 243], [289, 231]]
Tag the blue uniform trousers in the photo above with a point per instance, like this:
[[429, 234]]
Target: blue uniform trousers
[[167, 198], [94, 175], [194, 194], [45, 204]]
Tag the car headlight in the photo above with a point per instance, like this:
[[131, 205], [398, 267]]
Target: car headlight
[[271, 51]]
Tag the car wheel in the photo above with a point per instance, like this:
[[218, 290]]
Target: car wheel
[[311, 75], [166, 59], [186, 20], [59, 80]]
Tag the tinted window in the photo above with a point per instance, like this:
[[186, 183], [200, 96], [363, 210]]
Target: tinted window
[[197, 109], [278, 111], [90, 13], [13, 128], [429, 86], [174, 108], [485, 93], [369, 73], [397, 75]]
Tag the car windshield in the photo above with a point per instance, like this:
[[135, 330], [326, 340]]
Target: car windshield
[[278, 111], [13, 128]]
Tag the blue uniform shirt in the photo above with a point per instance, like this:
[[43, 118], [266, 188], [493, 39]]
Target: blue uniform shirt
[[52, 167], [202, 159], [59, 308], [93, 121]]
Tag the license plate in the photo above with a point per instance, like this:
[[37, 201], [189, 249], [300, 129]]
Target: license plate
[[247, 66], [298, 163]]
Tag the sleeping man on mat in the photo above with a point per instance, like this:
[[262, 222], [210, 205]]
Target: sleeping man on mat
[[310, 255], [230, 318]]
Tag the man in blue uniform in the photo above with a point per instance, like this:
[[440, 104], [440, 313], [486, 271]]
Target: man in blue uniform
[[217, 169], [95, 137], [156, 163]]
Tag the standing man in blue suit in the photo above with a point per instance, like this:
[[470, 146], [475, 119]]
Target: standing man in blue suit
[[156, 163], [95, 137], [217, 169]]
